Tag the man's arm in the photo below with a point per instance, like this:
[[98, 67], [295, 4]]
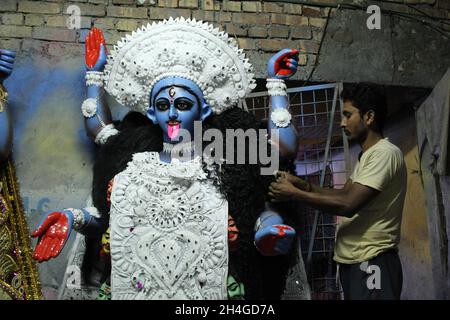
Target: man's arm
[[309, 187], [342, 202], [317, 189]]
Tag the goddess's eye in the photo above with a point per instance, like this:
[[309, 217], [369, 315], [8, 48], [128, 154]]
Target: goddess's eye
[[183, 104], [162, 105]]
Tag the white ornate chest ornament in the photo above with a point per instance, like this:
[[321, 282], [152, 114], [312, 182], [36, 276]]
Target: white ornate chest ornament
[[168, 232]]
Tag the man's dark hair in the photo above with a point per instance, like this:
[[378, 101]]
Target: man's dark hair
[[365, 97]]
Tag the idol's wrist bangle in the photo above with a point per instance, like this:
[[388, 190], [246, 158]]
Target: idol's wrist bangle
[[79, 218], [94, 78], [276, 87], [105, 133]]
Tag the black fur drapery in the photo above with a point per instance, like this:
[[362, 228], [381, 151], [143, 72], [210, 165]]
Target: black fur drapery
[[242, 185]]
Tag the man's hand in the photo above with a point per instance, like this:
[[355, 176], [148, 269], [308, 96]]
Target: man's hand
[[283, 64], [53, 233], [296, 181], [95, 50], [6, 63], [282, 190]]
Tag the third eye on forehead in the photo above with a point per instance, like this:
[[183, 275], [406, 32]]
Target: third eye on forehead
[[181, 104]]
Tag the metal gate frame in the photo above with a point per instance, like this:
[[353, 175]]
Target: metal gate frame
[[336, 99]]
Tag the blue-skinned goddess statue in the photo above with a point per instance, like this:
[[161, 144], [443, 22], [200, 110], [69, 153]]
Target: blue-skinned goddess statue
[[172, 215]]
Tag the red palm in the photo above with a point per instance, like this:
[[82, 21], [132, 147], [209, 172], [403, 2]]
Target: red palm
[[95, 53], [53, 233], [286, 61], [283, 64]]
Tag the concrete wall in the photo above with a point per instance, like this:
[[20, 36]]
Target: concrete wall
[[350, 52], [415, 243], [402, 52]]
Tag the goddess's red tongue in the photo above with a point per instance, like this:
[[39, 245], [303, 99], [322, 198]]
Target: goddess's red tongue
[[173, 130]]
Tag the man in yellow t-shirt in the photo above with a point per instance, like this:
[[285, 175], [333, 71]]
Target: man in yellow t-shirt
[[371, 202]]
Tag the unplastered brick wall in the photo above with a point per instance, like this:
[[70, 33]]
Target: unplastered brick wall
[[261, 27]]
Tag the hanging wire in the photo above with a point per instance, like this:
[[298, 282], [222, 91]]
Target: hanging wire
[[320, 47]]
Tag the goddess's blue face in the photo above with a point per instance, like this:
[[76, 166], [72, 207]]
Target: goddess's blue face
[[175, 109], [175, 104]]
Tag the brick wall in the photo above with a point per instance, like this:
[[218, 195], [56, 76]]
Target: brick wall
[[261, 27]]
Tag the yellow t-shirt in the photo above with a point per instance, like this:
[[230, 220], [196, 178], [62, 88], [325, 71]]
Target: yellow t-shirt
[[376, 227]]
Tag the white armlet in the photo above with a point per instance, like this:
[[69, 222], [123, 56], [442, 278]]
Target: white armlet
[[281, 117], [104, 134]]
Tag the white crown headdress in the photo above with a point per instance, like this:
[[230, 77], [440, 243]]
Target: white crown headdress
[[180, 47]]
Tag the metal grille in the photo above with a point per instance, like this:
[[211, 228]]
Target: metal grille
[[322, 159]]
